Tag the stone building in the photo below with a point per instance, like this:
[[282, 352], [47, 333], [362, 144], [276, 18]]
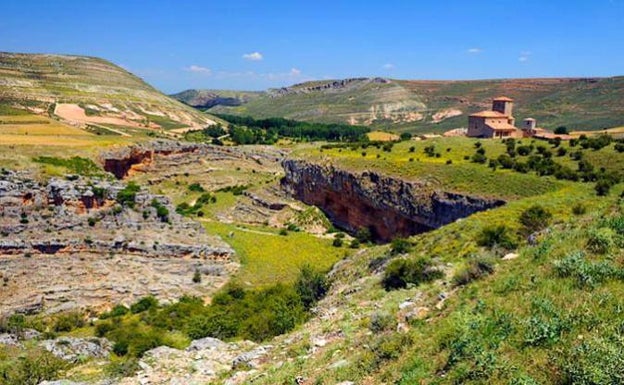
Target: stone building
[[495, 123]]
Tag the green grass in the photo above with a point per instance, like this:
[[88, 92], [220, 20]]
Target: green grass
[[268, 257], [460, 176]]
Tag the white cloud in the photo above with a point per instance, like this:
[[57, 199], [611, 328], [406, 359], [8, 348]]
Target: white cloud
[[198, 69], [388, 66], [474, 50], [295, 72], [524, 56], [254, 56]]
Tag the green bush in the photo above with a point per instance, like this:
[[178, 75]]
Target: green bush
[[196, 187], [477, 268], [496, 236], [579, 209], [401, 272], [586, 273], [144, 304], [400, 246], [127, 196], [381, 322], [68, 322], [535, 218], [601, 240], [599, 360], [32, 368], [311, 285]]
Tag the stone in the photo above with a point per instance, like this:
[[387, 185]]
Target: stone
[[74, 349], [510, 256]]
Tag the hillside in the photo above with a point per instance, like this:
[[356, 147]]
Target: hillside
[[425, 106], [204, 99], [89, 92]]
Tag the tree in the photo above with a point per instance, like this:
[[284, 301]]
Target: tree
[[561, 130]]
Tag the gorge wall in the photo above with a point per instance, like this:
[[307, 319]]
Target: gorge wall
[[389, 207]]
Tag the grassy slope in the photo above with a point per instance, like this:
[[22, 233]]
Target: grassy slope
[[30, 80], [521, 325], [579, 104]]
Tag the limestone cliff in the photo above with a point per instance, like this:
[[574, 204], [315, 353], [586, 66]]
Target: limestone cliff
[[389, 207]]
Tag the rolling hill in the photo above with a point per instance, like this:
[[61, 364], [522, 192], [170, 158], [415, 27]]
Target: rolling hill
[[424, 106], [211, 98], [89, 91]]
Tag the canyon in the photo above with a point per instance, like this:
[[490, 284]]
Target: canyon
[[388, 207]]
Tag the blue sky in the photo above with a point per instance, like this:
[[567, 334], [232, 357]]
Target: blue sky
[[231, 44]]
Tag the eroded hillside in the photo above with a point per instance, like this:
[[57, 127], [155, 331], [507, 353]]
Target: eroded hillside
[[89, 91]]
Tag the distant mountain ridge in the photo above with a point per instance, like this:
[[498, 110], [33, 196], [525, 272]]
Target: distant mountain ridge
[[432, 105], [90, 88], [212, 98]]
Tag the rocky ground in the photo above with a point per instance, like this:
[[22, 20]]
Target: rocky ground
[[66, 243]]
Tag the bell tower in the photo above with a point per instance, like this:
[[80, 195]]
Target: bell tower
[[504, 105]]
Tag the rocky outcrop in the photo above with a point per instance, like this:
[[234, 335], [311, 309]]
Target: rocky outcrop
[[389, 207], [67, 244], [142, 157], [201, 363], [75, 349], [330, 85]]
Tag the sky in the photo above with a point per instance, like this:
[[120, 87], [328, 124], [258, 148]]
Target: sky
[[255, 45]]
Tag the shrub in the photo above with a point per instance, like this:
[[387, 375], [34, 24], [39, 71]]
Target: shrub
[[524, 150], [311, 285], [585, 272], [196, 187], [144, 304], [603, 186], [401, 272], [337, 242], [430, 151], [496, 236], [543, 331], [601, 241], [68, 322], [400, 246], [354, 244], [197, 278], [34, 367], [477, 268], [535, 218], [579, 209], [599, 360], [561, 130], [364, 235], [478, 158], [127, 196], [381, 321]]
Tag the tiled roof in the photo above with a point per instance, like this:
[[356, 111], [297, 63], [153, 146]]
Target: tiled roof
[[501, 126], [503, 99]]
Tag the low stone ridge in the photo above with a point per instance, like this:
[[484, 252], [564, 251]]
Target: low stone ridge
[[124, 161], [75, 349], [201, 363], [387, 206], [67, 243]]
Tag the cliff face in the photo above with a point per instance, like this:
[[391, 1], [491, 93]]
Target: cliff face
[[389, 207]]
